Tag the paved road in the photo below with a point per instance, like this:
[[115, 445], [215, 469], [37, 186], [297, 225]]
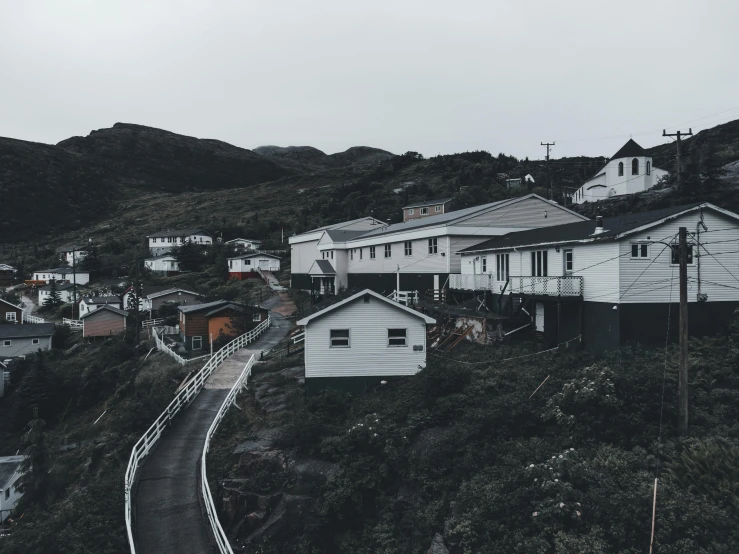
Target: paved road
[[29, 306], [169, 518]]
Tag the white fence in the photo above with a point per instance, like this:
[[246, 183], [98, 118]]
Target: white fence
[[151, 323], [480, 281], [186, 394], [405, 297], [75, 324], [221, 539], [27, 318]]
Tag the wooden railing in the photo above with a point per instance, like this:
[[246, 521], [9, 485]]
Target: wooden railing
[[181, 400], [151, 322], [74, 324], [27, 318]]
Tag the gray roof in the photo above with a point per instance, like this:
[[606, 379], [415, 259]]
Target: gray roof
[[102, 300], [26, 330], [247, 240], [339, 235], [8, 466], [254, 254], [629, 150], [324, 266], [108, 307], [338, 225], [179, 233], [62, 270], [205, 306], [428, 203], [6, 267]]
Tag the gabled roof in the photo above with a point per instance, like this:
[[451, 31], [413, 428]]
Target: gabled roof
[[62, 271], [164, 257], [235, 306], [340, 235], [171, 290], [207, 306], [11, 305], [629, 150], [615, 228], [346, 301], [180, 233], [428, 203], [104, 307], [27, 330], [102, 300], [6, 267], [9, 465], [246, 240], [255, 255], [64, 286], [341, 224], [323, 267]]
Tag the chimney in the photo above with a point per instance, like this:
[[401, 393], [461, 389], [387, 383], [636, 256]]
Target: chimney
[[598, 225]]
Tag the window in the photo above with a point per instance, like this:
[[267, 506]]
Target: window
[[675, 257], [620, 169], [411, 211], [169, 239], [197, 343], [7, 493], [424, 211], [339, 338], [7, 343], [484, 265], [256, 317], [408, 248], [539, 263], [332, 254], [437, 208], [568, 259], [10, 316], [635, 166], [502, 263], [649, 168], [388, 250], [230, 264], [360, 253], [640, 250], [247, 262], [366, 298], [372, 252], [396, 337], [351, 254], [433, 246], [35, 341]]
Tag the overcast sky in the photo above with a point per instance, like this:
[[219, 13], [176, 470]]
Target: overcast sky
[[430, 76]]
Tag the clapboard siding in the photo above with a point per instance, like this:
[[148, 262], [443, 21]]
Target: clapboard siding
[[526, 214], [6, 309], [659, 282], [597, 264], [193, 325], [23, 346], [368, 354], [103, 323], [419, 262], [302, 256]]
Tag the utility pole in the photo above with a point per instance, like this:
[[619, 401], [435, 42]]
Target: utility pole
[[682, 423], [74, 282], [678, 135], [549, 172]]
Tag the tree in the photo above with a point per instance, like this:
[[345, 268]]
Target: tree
[[34, 395], [91, 262], [241, 320], [35, 482], [54, 299], [189, 256]]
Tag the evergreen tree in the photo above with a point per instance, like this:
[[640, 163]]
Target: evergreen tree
[[35, 482], [54, 299], [91, 262], [33, 394], [189, 256]]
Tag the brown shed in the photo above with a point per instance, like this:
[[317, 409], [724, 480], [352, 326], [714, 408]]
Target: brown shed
[[104, 322], [10, 313]]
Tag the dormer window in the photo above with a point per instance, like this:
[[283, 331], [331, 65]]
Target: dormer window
[[635, 166], [620, 169]]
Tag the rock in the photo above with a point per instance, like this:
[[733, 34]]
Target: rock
[[308, 475], [254, 461], [437, 546]]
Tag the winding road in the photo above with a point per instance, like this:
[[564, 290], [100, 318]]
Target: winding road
[[170, 518]]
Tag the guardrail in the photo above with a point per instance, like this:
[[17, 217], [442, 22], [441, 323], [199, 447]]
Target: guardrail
[[75, 324], [186, 394], [33, 319], [151, 322], [221, 539]]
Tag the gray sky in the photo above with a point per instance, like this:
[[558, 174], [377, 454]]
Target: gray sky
[[431, 76]]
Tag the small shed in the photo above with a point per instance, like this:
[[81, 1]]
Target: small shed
[[248, 266], [200, 324], [362, 340], [104, 322], [10, 313]]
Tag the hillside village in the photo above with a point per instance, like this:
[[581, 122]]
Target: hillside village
[[358, 306]]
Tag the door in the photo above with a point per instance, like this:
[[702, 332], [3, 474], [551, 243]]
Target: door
[[539, 316], [263, 264], [436, 282]]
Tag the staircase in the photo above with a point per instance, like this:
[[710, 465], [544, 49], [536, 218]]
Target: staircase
[[271, 280]]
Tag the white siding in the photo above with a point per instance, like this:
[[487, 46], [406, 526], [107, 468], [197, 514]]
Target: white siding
[[303, 254], [23, 346], [598, 265], [368, 353], [659, 282], [14, 497], [419, 262]]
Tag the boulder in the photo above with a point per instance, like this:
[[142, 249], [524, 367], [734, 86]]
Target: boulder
[[438, 546]]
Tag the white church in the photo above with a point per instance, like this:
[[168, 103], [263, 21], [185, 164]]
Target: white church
[[630, 170]]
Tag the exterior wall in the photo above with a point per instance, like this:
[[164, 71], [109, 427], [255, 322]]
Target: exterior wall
[[216, 325], [612, 184], [103, 323], [6, 309], [183, 298], [73, 258], [66, 296], [302, 256], [87, 308], [419, 262], [251, 264], [171, 242], [12, 501], [78, 278], [23, 346], [193, 325], [643, 281], [368, 354], [243, 275], [164, 264], [407, 216]]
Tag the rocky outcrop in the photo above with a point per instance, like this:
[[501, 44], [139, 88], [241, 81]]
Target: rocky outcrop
[[438, 546]]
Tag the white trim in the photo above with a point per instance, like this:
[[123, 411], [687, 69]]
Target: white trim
[[411, 311]]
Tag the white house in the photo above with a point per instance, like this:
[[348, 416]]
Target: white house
[[10, 475], [62, 274], [21, 340], [90, 304], [245, 244], [419, 254], [630, 170], [163, 264], [612, 280], [162, 242], [72, 253], [248, 266], [66, 292], [361, 340]]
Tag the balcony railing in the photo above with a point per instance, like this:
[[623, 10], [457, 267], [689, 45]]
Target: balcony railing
[[547, 286], [484, 281]]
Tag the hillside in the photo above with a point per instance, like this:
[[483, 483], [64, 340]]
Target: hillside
[[307, 156]]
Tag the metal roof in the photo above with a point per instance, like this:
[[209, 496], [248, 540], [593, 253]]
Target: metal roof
[[254, 255], [205, 306], [64, 286], [101, 300], [339, 225], [324, 267], [363, 293], [108, 307], [340, 235], [428, 203], [26, 330]]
